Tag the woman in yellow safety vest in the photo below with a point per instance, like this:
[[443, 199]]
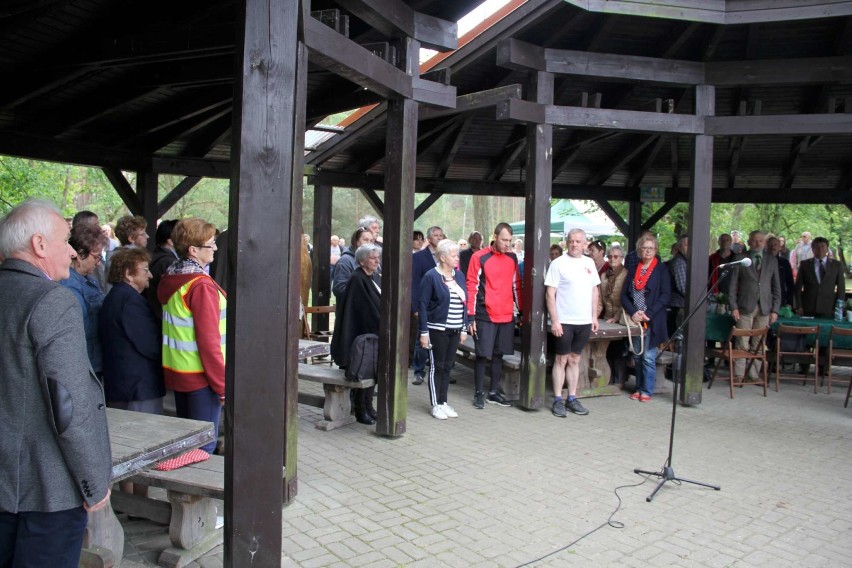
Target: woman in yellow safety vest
[[194, 326]]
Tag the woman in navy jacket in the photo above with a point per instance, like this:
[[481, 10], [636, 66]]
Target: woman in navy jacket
[[131, 336], [645, 295], [442, 306]]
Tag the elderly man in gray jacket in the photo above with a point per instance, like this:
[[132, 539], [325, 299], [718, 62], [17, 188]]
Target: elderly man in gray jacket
[[55, 458], [754, 295]]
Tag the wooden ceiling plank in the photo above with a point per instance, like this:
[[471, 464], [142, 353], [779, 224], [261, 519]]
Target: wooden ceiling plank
[[624, 154], [452, 149]]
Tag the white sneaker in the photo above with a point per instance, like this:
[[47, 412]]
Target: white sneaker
[[438, 412], [449, 411]]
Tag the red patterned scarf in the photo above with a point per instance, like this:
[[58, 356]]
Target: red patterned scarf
[[639, 279]]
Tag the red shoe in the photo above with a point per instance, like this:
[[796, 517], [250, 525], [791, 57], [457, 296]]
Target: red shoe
[[644, 398], [636, 396]]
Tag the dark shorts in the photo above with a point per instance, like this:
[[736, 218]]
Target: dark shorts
[[574, 338], [494, 338]]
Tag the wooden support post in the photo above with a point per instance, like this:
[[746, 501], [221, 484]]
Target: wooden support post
[[634, 220], [536, 249], [322, 254], [400, 174], [147, 189], [700, 197], [263, 306]]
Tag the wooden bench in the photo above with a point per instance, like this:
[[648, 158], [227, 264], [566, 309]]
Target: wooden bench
[[511, 382], [190, 511], [336, 405]]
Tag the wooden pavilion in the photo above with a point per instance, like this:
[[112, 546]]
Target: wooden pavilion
[[589, 99]]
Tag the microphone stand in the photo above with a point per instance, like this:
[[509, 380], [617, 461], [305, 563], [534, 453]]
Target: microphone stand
[[667, 472]]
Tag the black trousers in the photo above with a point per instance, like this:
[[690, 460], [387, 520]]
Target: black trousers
[[42, 539], [441, 359]]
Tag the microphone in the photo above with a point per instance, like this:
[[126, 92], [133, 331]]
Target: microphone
[[744, 261]]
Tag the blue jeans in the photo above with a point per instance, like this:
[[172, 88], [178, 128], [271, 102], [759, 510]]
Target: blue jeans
[[204, 405], [42, 539], [646, 368]]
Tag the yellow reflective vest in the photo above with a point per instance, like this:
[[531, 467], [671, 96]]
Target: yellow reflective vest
[[180, 349]]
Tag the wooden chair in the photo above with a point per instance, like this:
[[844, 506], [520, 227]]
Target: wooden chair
[[732, 353], [317, 335], [797, 354], [834, 353]]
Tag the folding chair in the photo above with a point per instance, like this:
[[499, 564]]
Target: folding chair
[[732, 353], [792, 345]]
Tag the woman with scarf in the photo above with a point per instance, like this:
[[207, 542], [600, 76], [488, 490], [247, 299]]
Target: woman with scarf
[[358, 313], [194, 326], [644, 299], [443, 321]]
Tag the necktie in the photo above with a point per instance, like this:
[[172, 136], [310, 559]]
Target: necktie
[[757, 259], [821, 271]]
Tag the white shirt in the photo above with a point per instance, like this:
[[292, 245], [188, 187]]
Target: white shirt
[[575, 280]]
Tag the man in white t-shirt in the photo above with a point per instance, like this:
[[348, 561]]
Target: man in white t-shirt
[[572, 302]]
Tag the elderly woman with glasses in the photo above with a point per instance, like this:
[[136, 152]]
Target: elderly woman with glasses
[[644, 298], [194, 326], [442, 306], [357, 314], [612, 283], [88, 243]]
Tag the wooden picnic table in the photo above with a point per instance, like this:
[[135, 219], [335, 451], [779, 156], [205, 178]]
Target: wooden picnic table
[[138, 441], [309, 348]]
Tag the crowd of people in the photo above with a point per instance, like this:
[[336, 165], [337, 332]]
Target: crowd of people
[[95, 320]]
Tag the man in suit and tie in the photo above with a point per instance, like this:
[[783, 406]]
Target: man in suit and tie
[[754, 295], [55, 461], [819, 282]]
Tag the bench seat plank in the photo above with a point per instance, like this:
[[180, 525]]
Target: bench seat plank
[[335, 404]]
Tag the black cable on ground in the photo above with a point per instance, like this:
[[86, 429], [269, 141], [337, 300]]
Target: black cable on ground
[[609, 522]]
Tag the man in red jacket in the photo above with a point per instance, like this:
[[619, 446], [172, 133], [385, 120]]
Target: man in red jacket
[[493, 299]]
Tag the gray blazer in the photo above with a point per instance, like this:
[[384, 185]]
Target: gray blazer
[[747, 290], [54, 443]]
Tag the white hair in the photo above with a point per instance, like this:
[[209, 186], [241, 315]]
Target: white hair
[[31, 217], [367, 221], [446, 247], [364, 252]]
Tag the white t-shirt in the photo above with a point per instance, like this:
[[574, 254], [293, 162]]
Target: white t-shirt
[[575, 280]]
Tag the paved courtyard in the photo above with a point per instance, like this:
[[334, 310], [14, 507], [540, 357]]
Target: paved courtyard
[[506, 487]]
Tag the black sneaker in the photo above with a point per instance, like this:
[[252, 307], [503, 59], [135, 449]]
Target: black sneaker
[[559, 408], [418, 379], [479, 399], [499, 399], [575, 407]]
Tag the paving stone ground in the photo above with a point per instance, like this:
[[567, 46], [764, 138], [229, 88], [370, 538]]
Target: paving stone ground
[[504, 487]]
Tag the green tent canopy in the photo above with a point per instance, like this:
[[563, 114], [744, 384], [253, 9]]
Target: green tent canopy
[[564, 216]]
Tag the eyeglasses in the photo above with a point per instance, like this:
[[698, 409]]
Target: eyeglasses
[[204, 246], [613, 256], [647, 248]]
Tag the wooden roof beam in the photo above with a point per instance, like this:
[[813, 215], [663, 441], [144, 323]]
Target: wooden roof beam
[[600, 119], [768, 125], [351, 61], [176, 194], [763, 72], [452, 149], [394, 18], [519, 55], [570, 191]]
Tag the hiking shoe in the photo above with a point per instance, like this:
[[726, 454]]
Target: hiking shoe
[[449, 411], [575, 407], [559, 408], [498, 399], [418, 379], [479, 399], [438, 412]]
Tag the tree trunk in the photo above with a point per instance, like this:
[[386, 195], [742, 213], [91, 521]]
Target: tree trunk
[[482, 220]]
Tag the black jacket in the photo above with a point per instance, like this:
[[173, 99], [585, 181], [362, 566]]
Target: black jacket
[[357, 313], [132, 342]]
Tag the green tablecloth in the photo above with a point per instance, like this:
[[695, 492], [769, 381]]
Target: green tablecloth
[[718, 328]]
